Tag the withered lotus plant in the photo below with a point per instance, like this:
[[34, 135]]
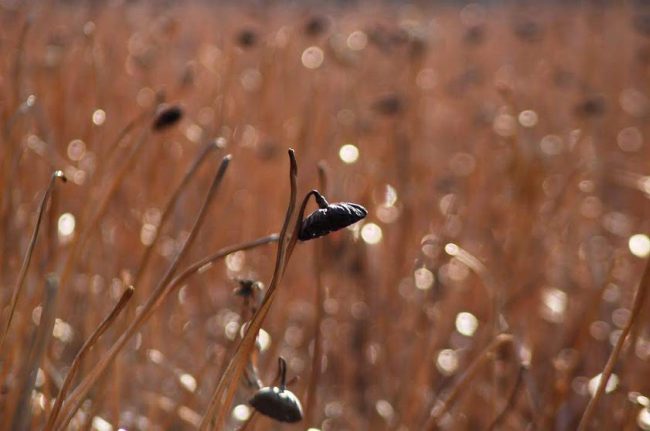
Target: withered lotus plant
[[278, 402], [329, 217]]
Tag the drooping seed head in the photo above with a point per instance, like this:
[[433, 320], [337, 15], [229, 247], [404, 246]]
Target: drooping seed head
[[167, 116], [248, 288], [277, 403], [330, 218], [247, 38], [316, 25]]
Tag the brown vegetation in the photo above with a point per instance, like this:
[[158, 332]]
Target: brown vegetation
[[499, 151]]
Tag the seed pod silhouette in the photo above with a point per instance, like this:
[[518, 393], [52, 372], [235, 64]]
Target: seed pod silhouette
[[248, 288], [247, 38], [167, 117], [329, 218], [276, 401]]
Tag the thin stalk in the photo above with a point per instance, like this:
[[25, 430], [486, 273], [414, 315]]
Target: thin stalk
[[511, 399], [320, 298], [465, 379], [28, 374], [225, 390], [637, 304], [101, 207], [81, 355], [200, 158], [198, 266], [156, 297], [28, 256]]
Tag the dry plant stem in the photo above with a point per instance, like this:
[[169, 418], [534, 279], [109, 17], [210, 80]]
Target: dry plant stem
[[200, 158], [465, 379], [511, 399], [158, 294], [101, 207], [197, 266], [115, 145], [225, 390], [30, 367], [320, 297], [637, 304], [90, 342], [28, 256]]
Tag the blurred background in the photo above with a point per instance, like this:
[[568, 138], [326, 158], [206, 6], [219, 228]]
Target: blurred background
[[499, 148]]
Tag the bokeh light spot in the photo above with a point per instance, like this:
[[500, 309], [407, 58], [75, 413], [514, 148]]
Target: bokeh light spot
[[349, 153], [466, 323], [371, 233], [639, 245], [312, 57]]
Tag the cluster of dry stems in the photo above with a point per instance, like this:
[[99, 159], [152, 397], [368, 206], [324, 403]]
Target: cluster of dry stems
[[500, 152]]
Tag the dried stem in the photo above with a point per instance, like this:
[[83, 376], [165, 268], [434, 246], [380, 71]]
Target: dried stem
[[637, 304], [320, 297], [36, 351], [28, 256], [156, 297], [465, 379], [200, 158], [225, 390], [511, 399], [101, 207], [90, 342]]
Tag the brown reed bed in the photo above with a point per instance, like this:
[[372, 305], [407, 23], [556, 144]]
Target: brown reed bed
[[497, 280]]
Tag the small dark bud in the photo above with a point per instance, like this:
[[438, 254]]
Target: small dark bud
[[248, 288], [316, 25], [167, 117], [592, 106], [276, 401], [329, 218], [388, 105], [247, 38]]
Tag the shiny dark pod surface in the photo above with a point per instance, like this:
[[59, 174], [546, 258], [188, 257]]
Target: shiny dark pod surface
[[332, 218], [281, 405]]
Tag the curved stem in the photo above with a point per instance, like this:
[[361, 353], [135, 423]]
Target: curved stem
[[225, 390], [439, 411], [282, 367], [90, 342], [28, 256], [171, 203], [316, 360], [156, 297], [637, 304]]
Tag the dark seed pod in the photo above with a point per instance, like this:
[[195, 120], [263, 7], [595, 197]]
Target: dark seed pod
[[276, 401], [329, 218], [167, 117], [246, 38], [316, 25], [389, 104], [248, 288], [592, 106]]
